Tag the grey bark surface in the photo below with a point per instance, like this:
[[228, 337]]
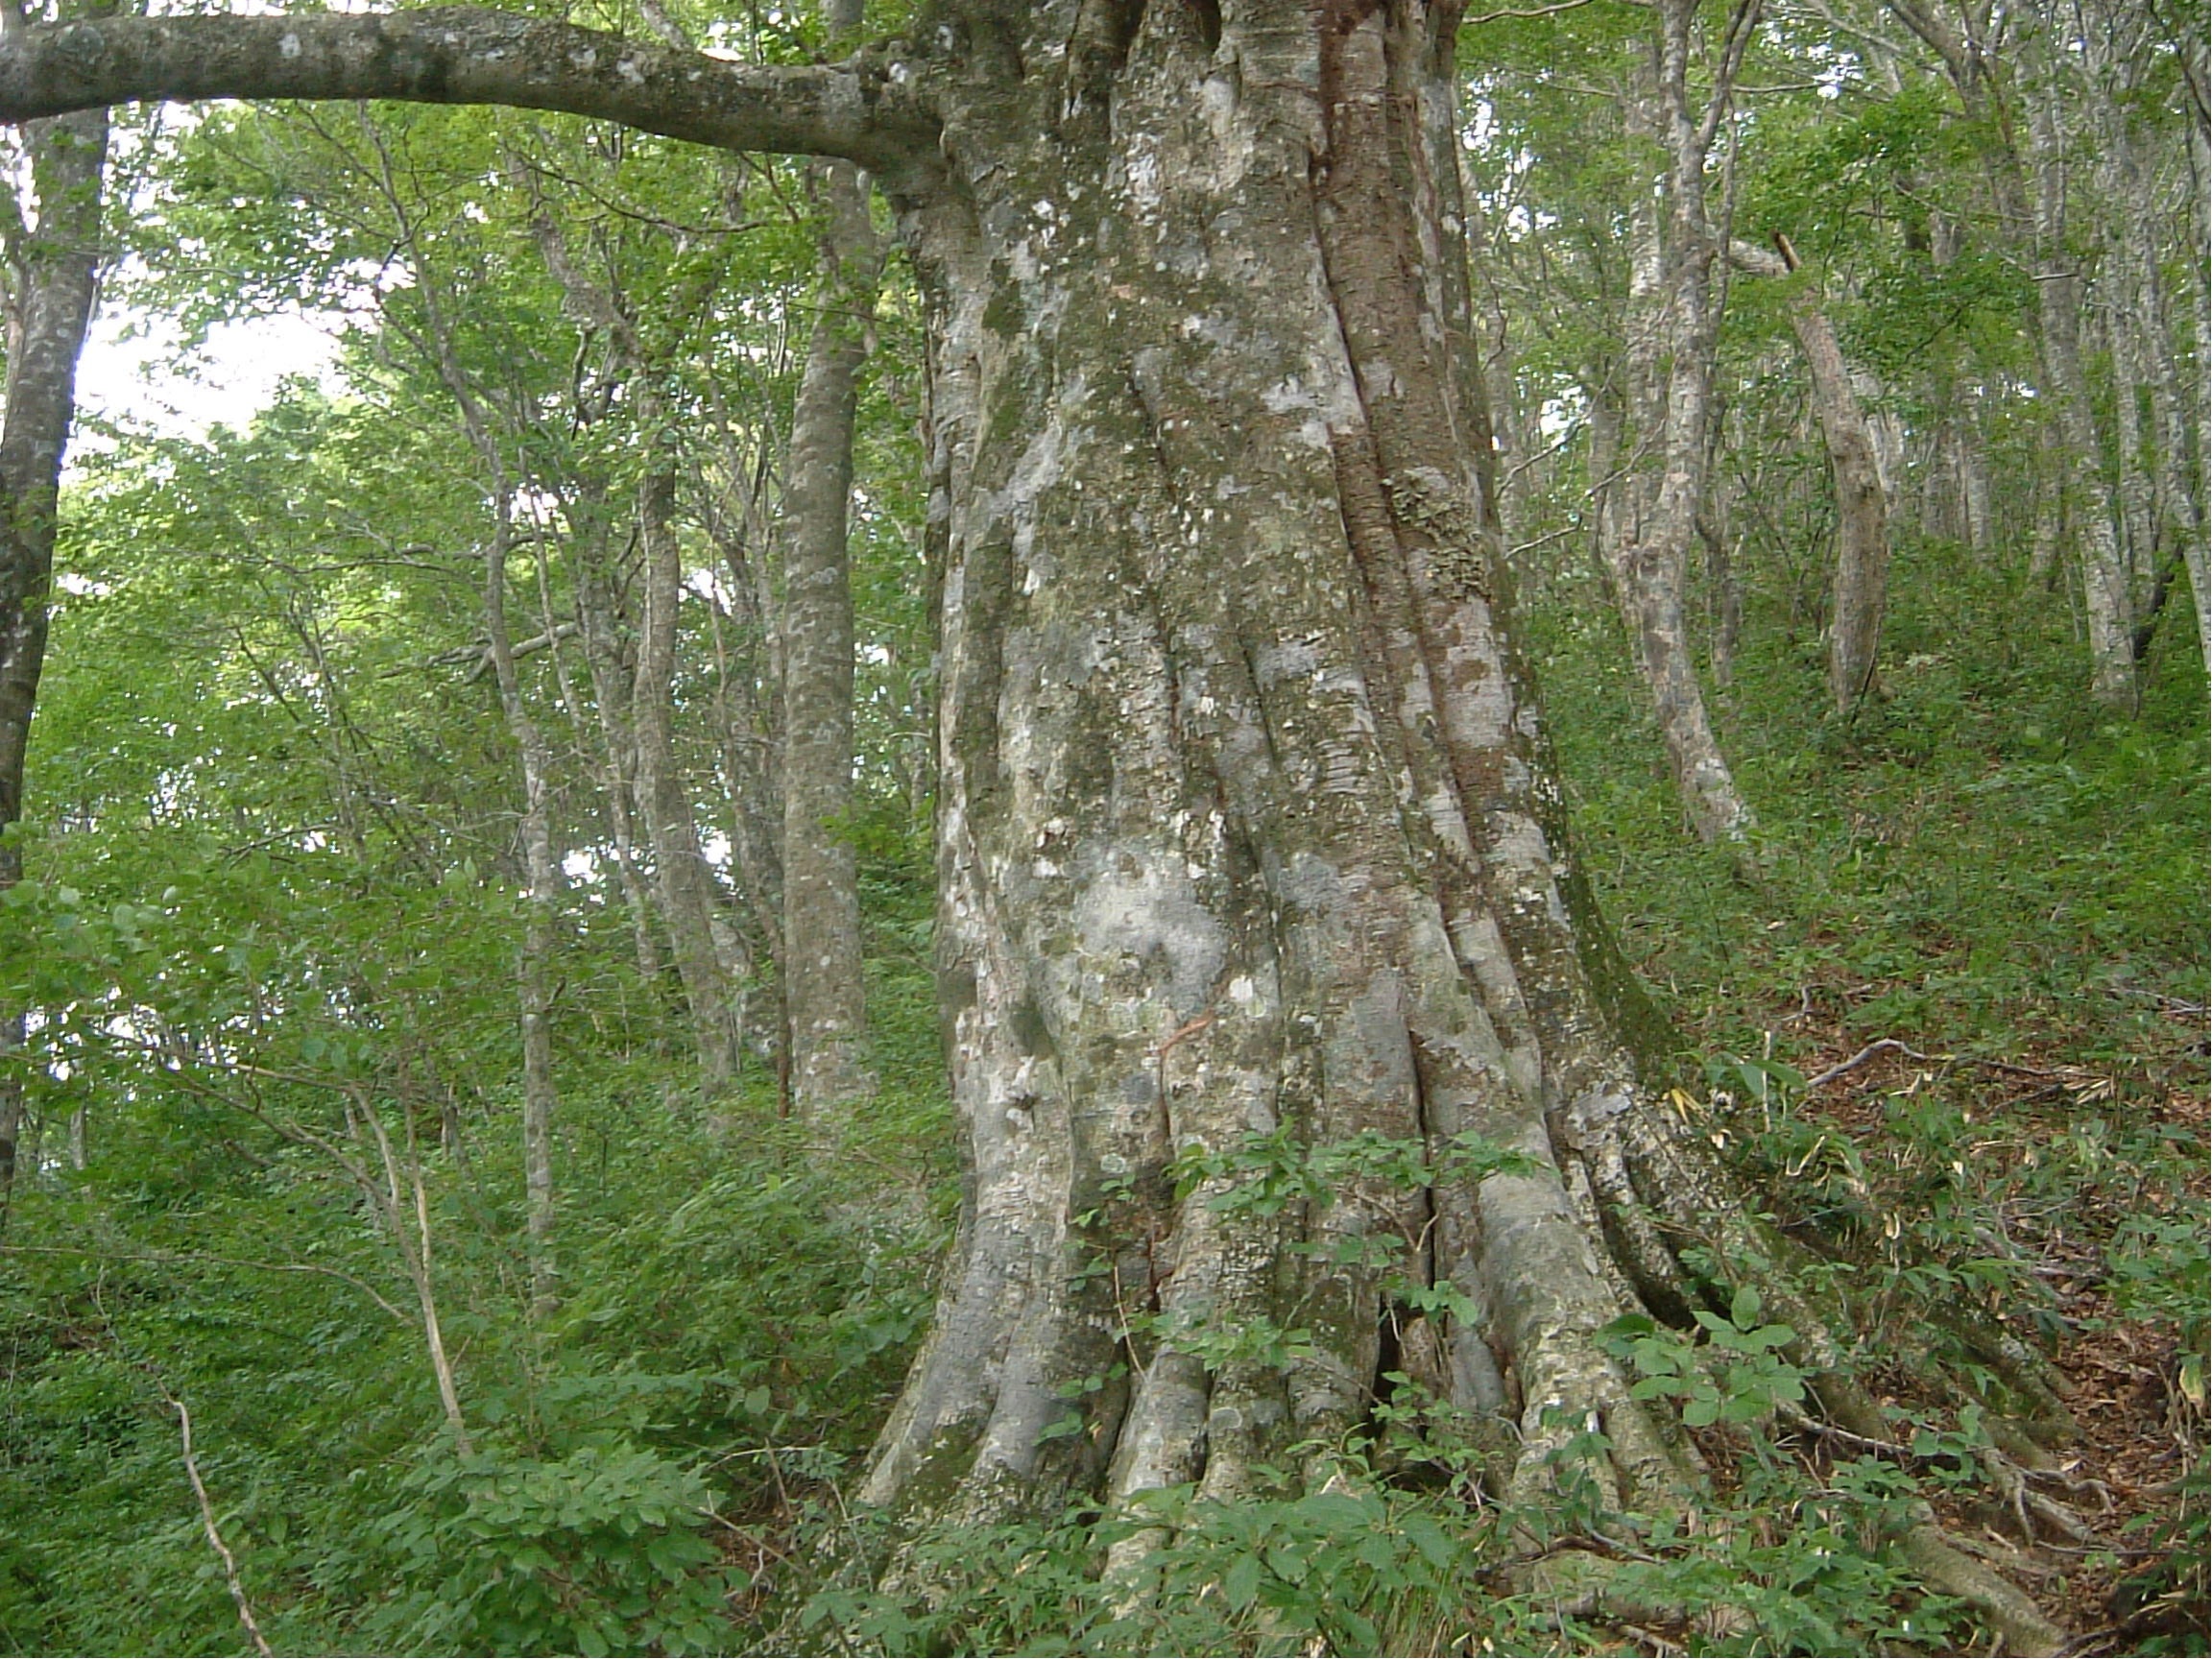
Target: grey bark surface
[[862, 111], [1247, 823], [2166, 489], [599, 623], [686, 886], [1649, 511], [824, 1007], [1861, 497], [2105, 589], [52, 279]]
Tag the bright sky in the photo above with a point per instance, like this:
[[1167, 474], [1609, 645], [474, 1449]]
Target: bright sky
[[234, 378]]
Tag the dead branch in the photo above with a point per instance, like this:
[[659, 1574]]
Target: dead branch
[[214, 1532]]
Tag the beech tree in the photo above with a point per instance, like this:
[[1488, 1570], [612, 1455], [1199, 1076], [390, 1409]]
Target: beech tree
[[1249, 841], [53, 269]]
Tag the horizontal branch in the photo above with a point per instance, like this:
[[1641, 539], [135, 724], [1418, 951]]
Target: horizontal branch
[[861, 111], [1757, 261]]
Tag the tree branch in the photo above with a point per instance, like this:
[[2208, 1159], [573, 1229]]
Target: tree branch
[[214, 1534], [862, 109], [1756, 261]]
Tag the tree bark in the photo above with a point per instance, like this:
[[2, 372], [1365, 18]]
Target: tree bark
[[864, 111], [52, 279], [687, 885], [534, 962], [1247, 823], [2166, 490], [599, 623], [703, 948], [2105, 586], [824, 1007], [2028, 185], [1861, 497], [1650, 512]]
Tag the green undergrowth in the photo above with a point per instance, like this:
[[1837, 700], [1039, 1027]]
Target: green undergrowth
[[1977, 856], [1399, 1548], [2005, 886], [736, 1310], [1361, 1569]]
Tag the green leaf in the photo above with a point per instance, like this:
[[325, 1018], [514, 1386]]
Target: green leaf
[[1425, 1537], [1240, 1584]]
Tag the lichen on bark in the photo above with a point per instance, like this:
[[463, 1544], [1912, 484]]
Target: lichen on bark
[[1248, 828]]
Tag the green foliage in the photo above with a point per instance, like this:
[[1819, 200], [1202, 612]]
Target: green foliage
[[1361, 1569], [594, 1553], [1332, 1572], [1737, 1375]]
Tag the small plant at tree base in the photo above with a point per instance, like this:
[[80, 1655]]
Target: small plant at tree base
[[1737, 1375]]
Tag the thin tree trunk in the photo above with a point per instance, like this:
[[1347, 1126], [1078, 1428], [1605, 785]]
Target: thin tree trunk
[[595, 737], [541, 872], [2105, 585], [213, 1531], [534, 966], [1862, 515], [1674, 327], [599, 623], [52, 279], [405, 1205], [704, 949], [2138, 496], [1861, 499], [825, 1008], [2145, 325], [2037, 219], [749, 715], [1978, 527], [687, 885]]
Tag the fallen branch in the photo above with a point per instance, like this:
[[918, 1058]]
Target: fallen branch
[[1891, 1046], [214, 1534], [1886, 1045]]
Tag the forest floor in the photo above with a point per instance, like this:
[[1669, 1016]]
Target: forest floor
[[1982, 921], [2138, 1412]]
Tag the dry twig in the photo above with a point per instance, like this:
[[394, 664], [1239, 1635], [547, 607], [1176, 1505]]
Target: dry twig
[[214, 1532]]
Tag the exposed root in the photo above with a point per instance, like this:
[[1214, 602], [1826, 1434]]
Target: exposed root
[[1583, 1584], [2015, 1619], [2026, 1506]]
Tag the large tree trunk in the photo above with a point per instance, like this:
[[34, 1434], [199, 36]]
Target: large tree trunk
[[1247, 823], [825, 1009], [1250, 845], [53, 276]]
